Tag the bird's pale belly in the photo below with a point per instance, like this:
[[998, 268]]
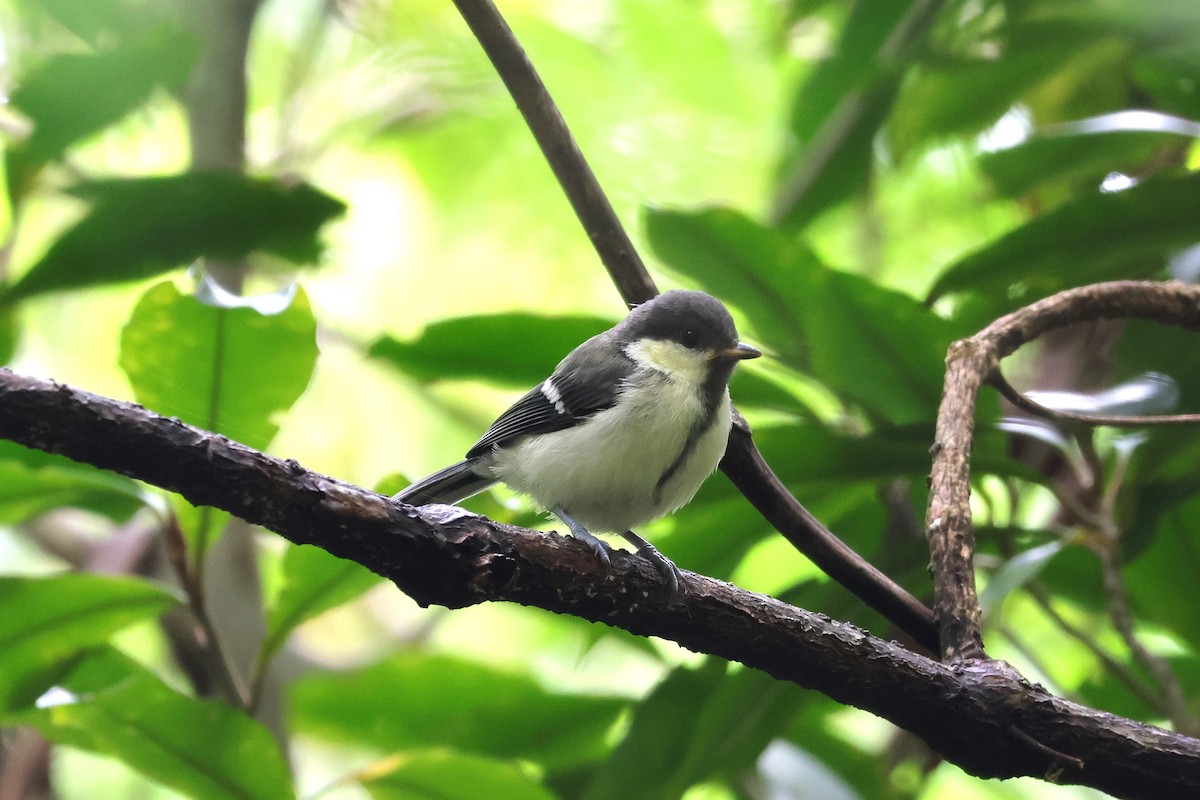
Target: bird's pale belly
[[606, 472]]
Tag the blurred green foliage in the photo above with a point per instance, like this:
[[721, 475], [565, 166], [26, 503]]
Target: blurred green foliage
[[862, 182]]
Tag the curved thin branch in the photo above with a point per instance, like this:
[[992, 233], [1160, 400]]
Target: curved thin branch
[[1023, 402], [969, 364], [983, 717], [545, 121], [743, 462]]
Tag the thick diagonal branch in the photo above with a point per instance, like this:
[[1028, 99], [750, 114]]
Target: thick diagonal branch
[[981, 717]]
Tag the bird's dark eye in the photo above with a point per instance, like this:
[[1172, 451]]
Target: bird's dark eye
[[689, 339]]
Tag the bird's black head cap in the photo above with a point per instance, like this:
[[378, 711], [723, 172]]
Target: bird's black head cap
[[694, 319]]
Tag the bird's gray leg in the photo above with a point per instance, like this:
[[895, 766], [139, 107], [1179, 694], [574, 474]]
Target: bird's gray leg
[[648, 551], [599, 547]]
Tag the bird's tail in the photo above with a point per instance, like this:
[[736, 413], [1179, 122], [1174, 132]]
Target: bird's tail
[[451, 485]]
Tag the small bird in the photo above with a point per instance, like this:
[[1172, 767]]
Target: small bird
[[623, 432]]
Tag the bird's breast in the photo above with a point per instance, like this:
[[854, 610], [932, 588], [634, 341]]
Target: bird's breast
[[607, 471]]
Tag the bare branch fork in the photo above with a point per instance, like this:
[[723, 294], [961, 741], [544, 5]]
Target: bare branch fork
[[982, 716], [975, 361]]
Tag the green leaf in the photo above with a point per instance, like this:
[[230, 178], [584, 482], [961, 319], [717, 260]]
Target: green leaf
[[71, 96], [1015, 573], [1168, 561], [1096, 237], [202, 748], [414, 700], [47, 622], [966, 96], [140, 227], [697, 724], [447, 775], [512, 349], [871, 345], [314, 581], [98, 20], [229, 370], [32, 482]]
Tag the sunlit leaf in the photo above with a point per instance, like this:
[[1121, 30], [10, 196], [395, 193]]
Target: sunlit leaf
[[416, 700], [48, 622], [314, 581], [447, 775], [1095, 237], [96, 20], [140, 227], [513, 349], [203, 748], [231, 371]]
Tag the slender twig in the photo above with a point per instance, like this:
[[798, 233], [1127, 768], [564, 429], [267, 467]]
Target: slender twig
[[1118, 670], [743, 463], [1021, 401], [216, 664], [1174, 700]]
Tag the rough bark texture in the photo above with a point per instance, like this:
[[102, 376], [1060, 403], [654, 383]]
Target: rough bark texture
[[982, 715]]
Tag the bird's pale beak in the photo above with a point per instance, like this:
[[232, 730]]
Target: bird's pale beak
[[739, 353]]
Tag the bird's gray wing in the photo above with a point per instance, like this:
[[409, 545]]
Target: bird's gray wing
[[587, 381]]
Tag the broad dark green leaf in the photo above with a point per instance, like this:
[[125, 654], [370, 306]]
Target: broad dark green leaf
[[414, 700], [520, 350], [966, 96], [869, 344], [32, 482], [314, 581], [45, 623], [697, 725], [71, 96], [140, 227], [1169, 560], [447, 775], [1096, 237], [228, 370], [201, 748], [747, 266], [512, 349]]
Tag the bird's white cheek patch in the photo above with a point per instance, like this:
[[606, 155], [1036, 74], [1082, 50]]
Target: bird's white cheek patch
[[671, 358]]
